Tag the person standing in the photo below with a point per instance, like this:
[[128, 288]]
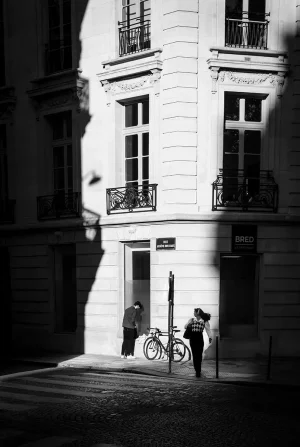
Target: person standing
[[198, 324], [129, 330]]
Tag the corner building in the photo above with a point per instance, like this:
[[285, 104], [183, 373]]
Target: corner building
[[128, 126]]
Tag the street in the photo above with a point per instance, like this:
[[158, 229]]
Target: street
[[78, 407]]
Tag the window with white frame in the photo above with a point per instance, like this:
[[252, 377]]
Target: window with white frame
[[246, 24], [244, 123], [135, 29], [59, 43], [136, 142], [61, 124]]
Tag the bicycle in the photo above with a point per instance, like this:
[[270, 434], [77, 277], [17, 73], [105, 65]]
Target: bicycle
[[154, 348]]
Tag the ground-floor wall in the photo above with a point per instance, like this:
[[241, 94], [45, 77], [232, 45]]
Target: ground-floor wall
[[83, 311]]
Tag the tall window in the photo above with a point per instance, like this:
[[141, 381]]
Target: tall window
[[2, 52], [3, 165], [243, 128], [136, 136], [62, 153], [59, 47], [134, 31], [246, 24]]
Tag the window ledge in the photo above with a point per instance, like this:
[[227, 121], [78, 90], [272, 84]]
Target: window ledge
[[131, 66]]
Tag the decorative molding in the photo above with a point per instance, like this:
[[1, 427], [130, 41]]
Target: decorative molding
[[274, 79], [52, 92]]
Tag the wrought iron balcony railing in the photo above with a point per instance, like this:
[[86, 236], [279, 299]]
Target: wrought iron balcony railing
[[7, 211], [128, 199], [58, 206], [244, 33], [58, 58], [234, 190], [135, 37]]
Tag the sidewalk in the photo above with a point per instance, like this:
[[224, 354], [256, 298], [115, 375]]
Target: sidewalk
[[284, 371]]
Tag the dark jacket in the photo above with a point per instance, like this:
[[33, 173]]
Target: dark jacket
[[129, 317]]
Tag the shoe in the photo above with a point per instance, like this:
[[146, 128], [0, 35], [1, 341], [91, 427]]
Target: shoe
[[198, 374], [131, 357]]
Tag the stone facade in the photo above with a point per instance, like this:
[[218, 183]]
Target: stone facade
[[185, 73]]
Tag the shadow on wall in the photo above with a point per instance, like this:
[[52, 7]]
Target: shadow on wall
[[259, 293]]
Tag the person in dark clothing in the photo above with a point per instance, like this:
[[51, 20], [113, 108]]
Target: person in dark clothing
[[129, 328], [198, 323]]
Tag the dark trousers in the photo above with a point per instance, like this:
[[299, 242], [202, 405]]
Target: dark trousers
[[128, 342], [197, 344]]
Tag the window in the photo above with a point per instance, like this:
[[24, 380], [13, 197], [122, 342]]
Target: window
[[65, 288], [59, 47], [134, 31], [246, 24], [243, 127], [136, 142], [239, 296], [3, 165], [2, 52], [61, 124]]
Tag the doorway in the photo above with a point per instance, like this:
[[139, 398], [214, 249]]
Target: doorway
[[137, 281], [239, 291]]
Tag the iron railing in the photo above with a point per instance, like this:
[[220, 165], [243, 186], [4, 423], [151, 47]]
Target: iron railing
[[234, 190], [244, 33], [128, 199], [58, 206], [7, 211], [58, 58], [135, 37]]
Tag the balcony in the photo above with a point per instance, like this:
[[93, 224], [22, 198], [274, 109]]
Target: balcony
[[7, 212], [58, 58], [244, 33], [129, 199], [58, 206], [234, 190], [134, 37]]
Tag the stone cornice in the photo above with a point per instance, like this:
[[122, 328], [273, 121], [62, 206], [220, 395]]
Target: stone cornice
[[58, 90], [132, 57], [249, 52]]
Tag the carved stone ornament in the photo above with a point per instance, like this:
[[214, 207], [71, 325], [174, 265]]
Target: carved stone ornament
[[274, 79], [132, 84]]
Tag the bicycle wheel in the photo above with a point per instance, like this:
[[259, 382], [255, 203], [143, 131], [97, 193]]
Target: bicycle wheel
[[188, 353], [178, 350], [151, 349]]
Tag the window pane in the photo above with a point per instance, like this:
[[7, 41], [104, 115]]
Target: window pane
[[69, 155], [145, 143], [67, 58], [69, 124], [131, 169], [257, 9], [145, 105], [231, 161], [67, 35], [67, 11], [253, 109], [145, 168], [58, 157], [53, 12], [252, 165], [131, 146], [231, 141], [131, 115], [54, 38], [57, 127], [252, 142], [70, 179], [59, 179], [232, 107], [234, 9]]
